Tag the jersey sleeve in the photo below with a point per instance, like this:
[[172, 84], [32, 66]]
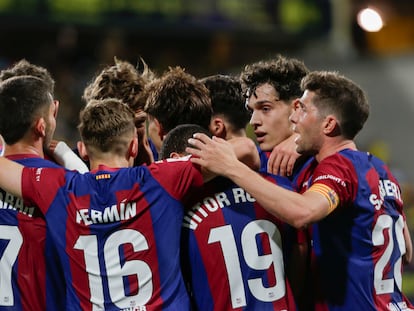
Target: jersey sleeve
[[36, 180], [177, 176], [336, 179]]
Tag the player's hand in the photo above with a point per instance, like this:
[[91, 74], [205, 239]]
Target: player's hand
[[216, 154], [283, 157]]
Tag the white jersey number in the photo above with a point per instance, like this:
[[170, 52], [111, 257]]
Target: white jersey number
[[13, 235], [115, 271], [253, 259], [385, 223]]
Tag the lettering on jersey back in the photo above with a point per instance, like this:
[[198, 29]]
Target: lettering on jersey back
[[114, 213], [386, 188], [9, 201], [211, 204]]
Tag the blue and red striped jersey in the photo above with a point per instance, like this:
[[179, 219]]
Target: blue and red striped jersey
[[31, 278], [117, 232], [358, 248], [233, 251]]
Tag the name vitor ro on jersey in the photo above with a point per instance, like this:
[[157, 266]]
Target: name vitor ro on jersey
[[201, 210]]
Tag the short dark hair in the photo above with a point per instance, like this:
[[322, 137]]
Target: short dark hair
[[177, 139], [22, 100], [340, 96], [227, 99]]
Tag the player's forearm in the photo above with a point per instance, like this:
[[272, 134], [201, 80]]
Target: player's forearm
[[68, 159], [11, 176], [287, 205]]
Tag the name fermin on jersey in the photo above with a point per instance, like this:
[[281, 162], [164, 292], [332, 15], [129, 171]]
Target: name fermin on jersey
[[114, 213], [211, 204]]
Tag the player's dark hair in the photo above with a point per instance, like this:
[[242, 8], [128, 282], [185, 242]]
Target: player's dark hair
[[25, 68], [23, 99], [227, 99], [284, 74], [178, 98], [177, 139], [340, 96]]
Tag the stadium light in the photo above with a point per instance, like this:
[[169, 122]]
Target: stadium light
[[370, 20]]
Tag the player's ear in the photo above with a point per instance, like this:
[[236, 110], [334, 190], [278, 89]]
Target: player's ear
[[82, 150], [133, 148], [40, 127], [217, 127], [331, 126], [175, 155]]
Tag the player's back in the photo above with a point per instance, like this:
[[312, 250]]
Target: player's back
[[118, 233], [233, 251], [30, 275]]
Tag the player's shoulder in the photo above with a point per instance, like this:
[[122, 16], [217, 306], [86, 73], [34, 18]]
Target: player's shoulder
[[33, 161], [172, 163]]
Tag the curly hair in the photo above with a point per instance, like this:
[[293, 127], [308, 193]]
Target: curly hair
[[284, 74]]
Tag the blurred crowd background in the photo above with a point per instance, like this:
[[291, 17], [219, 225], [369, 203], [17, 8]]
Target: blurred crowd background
[[75, 39]]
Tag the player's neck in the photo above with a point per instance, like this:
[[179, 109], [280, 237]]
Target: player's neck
[[235, 134], [334, 146], [24, 148], [112, 162]]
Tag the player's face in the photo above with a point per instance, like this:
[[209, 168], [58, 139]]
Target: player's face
[[51, 121], [308, 123], [270, 117]]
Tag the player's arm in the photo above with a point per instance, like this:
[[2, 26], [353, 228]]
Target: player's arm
[[11, 176], [65, 156], [296, 209], [408, 245], [283, 157]]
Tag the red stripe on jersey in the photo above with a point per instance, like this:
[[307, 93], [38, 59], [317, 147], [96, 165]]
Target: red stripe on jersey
[[31, 270], [212, 254]]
